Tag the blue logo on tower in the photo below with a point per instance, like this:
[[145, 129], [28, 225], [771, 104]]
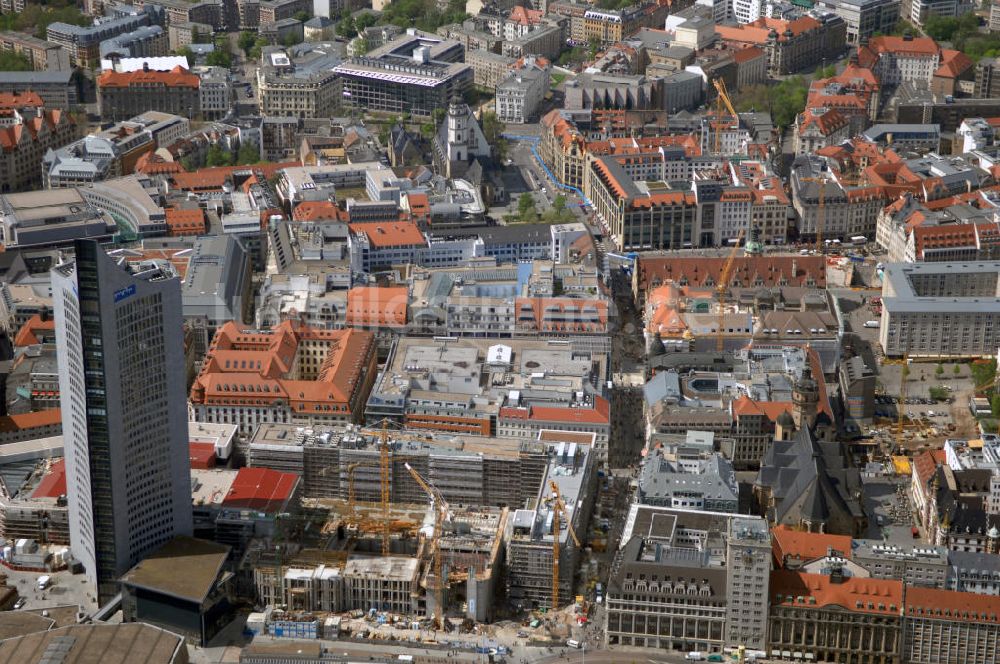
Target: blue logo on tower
[[126, 292]]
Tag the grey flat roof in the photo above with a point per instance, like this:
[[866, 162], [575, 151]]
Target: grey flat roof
[[905, 300]]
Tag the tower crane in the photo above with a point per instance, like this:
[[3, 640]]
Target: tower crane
[[558, 508], [901, 406], [721, 288], [385, 480], [722, 100], [441, 514]]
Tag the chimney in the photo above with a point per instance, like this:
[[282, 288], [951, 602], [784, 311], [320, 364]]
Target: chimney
[[145, 65]]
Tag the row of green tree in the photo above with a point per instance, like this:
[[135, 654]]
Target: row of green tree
[[423, 14], [784, 100], [964, 35], [528, 213], [35, 18], [219, 156]]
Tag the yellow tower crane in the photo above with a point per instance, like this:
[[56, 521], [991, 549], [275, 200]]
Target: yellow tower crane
[[558, 508], [901, 406], [722, 100], [441, 510], [721, 288]]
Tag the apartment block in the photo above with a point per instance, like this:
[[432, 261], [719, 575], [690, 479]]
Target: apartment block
[[940, 309], [43, 55]]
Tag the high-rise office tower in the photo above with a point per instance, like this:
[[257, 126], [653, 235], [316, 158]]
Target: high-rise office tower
[[124, 412]]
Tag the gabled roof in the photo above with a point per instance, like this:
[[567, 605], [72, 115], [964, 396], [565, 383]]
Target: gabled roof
[[377, 306], [950, 605], [35, 330], [854, 594], [788, 542], [178, 77], [826, 120]]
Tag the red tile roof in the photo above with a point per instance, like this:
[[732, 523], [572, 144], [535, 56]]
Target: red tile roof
[[827, 120], [53, 484], [260, 489], [317, 211], [245, 366], [953, 64], [178, 77], [599, 414], [786, 542], [746, 269], [189, 221], [35, 330], [390, 234], [19, 100], [934, 604], [816, 591], [377, 306], [772, 410], [523, 16], [34, 420]]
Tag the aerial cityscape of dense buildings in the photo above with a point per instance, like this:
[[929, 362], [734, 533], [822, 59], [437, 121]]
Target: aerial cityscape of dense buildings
[[431, 331]]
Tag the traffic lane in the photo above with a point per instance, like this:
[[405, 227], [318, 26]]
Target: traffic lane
[[640, 656]]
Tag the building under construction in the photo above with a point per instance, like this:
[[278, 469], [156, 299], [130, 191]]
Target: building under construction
[[351, 575], [467, 469], [542, 547]]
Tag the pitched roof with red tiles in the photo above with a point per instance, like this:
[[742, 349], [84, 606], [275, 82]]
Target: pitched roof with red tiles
[[699, 270], [934, 604], [524, 16], [36, 331], [318, 211], [377, 306], [817, 591], [34, 420], [390, 234], [757, 32], [926, 463], [772, 410], [253, 367], [826, 120], [213, 178], [562, 314], [747, 54], [598, 414], [803, 546], [953, 64], [188, 221], [53, 484], [261, 489], [18, 100], [178, 77]]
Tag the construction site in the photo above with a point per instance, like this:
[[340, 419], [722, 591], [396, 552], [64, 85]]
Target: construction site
[[422, 531]]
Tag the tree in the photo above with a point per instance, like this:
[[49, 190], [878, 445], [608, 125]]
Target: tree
[[346, 28], [291, 40], [427, 130], [825, 72], [247, 154], [437, 115], [995, 405], [11, 61], [526, 207], [302, 16], [259, 44], [219, 58], [187, 53], [493, 129], [938, 393], [559, 203], [957, 369], [217, 157], [939, 370], [246, 41]]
